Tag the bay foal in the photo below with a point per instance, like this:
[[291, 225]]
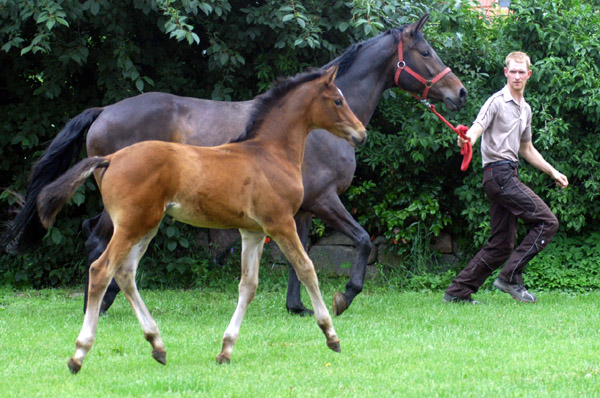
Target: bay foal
[[254, 185]]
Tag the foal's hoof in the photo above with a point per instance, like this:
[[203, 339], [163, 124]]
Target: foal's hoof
[[74, 366], [340, 304], [221, 359], [160, 357], [334, 345]]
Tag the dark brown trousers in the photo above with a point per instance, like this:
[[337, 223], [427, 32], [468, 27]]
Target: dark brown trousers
[[510, 199]]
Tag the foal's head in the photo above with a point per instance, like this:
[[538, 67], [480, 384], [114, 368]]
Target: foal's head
[[317, 97], [330, 111]]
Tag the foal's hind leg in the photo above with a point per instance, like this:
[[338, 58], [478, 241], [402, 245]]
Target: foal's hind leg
[[100, 275], [117, 255], [252, 248], [290, 245], [125, 277], [98, 231]]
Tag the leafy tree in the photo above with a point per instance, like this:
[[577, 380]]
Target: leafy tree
[[58, 57]]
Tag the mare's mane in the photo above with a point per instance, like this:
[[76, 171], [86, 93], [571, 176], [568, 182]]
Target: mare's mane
[[346, 60], [265, 102], [282, 86]]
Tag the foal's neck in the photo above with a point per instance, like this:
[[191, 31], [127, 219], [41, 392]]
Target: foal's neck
[[285, 129]]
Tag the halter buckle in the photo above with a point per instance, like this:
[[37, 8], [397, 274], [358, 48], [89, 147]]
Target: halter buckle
[[401, 64]]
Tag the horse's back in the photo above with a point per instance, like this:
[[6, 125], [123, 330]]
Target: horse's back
[[166, 117]]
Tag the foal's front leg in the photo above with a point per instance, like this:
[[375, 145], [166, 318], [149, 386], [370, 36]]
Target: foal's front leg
[[290, 245], [252, 248]]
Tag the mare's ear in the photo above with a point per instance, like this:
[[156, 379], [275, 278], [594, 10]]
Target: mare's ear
[[416, 27], [329, 75]]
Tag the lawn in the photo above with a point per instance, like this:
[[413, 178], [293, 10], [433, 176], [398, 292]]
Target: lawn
[[394, 343]]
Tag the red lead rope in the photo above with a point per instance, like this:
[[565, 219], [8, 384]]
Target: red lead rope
[[461, 130]]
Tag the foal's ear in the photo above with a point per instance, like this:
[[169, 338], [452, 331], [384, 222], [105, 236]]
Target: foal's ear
[[329, 75]]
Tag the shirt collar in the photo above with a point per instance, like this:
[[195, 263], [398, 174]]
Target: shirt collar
[[507, 95]]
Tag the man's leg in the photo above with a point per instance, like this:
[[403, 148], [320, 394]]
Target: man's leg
[[495, 252], [543, 226]]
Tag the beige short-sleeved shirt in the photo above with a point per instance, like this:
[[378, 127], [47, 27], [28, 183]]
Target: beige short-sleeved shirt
[[505, 125]]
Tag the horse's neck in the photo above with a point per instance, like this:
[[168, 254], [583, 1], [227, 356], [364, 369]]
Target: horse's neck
[[369, 76], [285, 137]]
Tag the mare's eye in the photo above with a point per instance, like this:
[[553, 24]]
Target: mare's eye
[[425, 53], [338, 102]]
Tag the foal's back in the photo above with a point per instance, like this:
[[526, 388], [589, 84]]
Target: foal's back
[[215, 187]]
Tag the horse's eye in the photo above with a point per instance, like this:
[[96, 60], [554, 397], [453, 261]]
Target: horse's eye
[[338, 102], [425, 53]]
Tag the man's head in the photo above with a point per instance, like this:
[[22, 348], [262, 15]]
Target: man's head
[[517, 70]]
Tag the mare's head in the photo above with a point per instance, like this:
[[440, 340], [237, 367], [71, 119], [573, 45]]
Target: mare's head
[[417, 55], [331, 112]]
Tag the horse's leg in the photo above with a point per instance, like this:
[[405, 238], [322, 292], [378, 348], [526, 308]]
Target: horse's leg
[[125, 277], [252, 248], [293, 303], [100, 274], [98, 231], [290, 245], [331, 210]]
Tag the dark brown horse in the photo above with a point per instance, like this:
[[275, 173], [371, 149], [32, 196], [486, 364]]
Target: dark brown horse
[[367, 69], [254, 184]]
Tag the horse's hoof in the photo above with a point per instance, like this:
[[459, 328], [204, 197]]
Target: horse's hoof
[[74, 366], [301, 311], [221, 359], [340, 304], [160, 357], [334, 345]]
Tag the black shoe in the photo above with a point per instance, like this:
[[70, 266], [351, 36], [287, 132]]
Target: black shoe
[[518, 292], [463, 300]]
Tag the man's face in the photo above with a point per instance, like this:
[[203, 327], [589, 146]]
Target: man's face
[[517, 75]]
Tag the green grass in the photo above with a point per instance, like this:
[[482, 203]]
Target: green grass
[[394, 343]]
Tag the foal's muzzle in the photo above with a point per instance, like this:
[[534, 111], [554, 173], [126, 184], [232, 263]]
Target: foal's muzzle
[[358, 139]]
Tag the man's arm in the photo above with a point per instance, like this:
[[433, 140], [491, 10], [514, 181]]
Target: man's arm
[[534, 158]]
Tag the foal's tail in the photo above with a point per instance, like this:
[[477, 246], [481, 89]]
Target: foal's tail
[[54, 195], [26, 229]]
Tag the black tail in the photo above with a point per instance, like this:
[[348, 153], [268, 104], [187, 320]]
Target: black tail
[[26, 229], [54, 195]]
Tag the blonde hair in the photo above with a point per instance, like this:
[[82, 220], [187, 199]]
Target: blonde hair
[[518, 56]]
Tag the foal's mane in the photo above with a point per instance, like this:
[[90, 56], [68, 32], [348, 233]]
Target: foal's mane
[[282, 86], [265, 102]]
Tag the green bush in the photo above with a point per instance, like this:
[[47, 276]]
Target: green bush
[[409, 170], [57, 58], [567, 263]]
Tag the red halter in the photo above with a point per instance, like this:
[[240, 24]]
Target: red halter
[[402, 66], [461, 130]]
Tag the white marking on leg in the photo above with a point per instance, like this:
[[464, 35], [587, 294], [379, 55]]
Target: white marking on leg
[[252, 248]]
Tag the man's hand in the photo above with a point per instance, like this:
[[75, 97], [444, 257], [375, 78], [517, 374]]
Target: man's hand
[[561, 179], [472, 135]]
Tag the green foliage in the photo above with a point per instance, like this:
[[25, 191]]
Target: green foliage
[[568, 264], [410, 163], [60, 57]]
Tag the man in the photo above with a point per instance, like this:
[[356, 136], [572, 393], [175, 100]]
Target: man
[[504, 122]]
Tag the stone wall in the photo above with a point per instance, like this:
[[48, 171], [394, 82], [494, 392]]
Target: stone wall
[[335, 254], [332, 255]]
